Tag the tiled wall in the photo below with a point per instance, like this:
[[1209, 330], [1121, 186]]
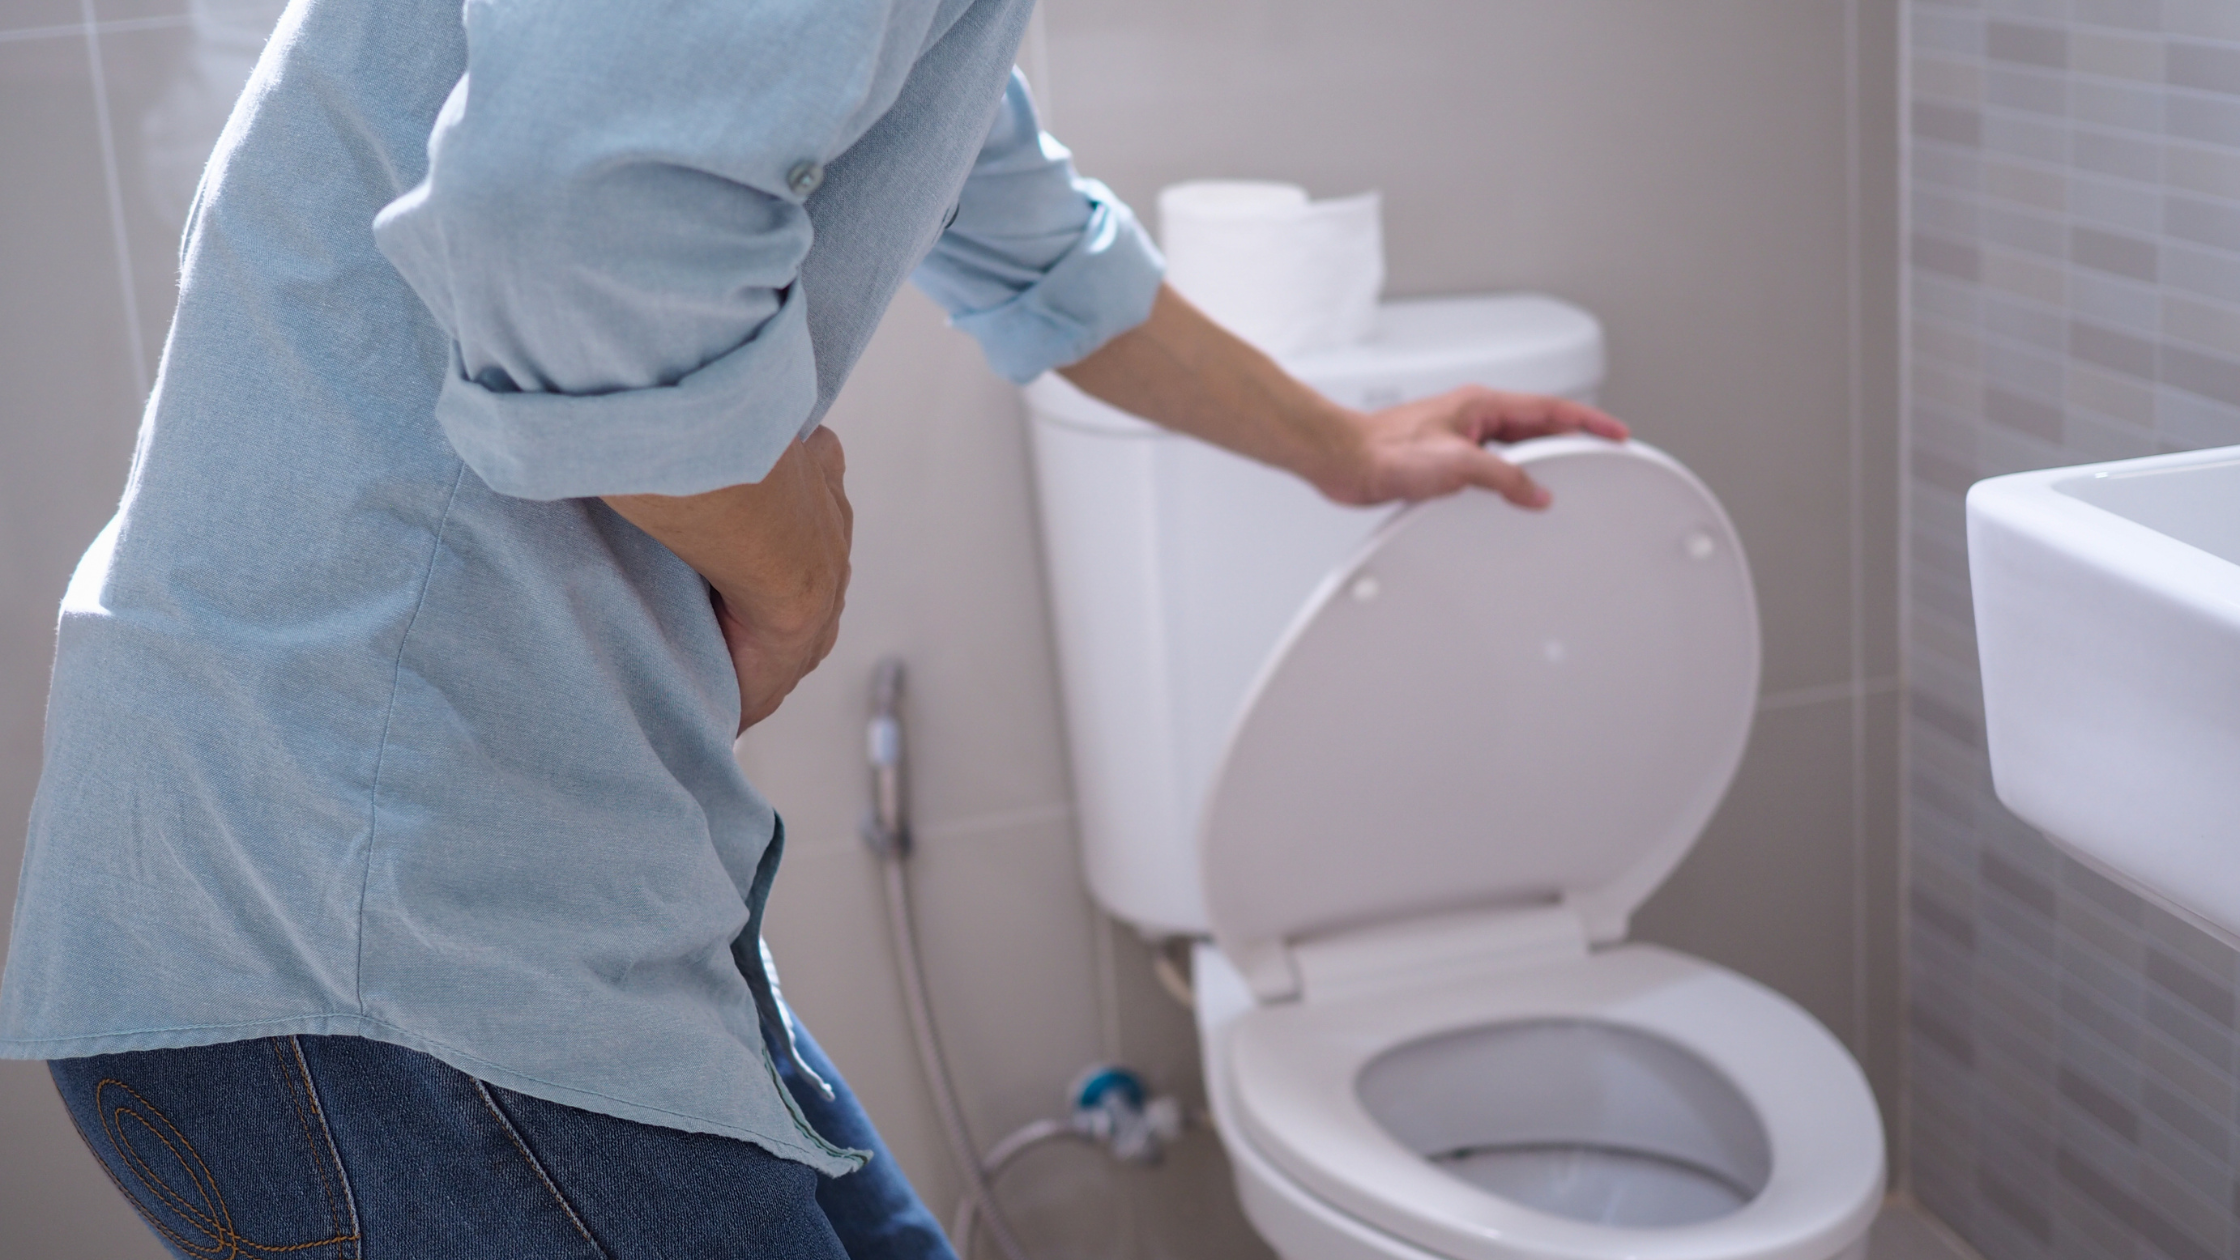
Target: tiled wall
[[2074, 193]]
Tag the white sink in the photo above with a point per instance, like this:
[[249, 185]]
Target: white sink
[[2107, 602]]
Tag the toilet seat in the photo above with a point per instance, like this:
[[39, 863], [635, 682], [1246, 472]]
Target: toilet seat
[[1291, 1075], [1489, 707], [1484, 742]]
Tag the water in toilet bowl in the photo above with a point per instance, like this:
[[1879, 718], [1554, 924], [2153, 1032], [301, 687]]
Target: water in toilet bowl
[[1598, 1184], [1577, 1118]]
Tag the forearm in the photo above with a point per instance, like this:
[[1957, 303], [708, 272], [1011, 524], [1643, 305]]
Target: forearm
[[1182, 370], [772, 550], [722, 536]]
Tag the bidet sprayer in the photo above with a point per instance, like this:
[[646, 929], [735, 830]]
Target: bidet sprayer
[[886, 825]]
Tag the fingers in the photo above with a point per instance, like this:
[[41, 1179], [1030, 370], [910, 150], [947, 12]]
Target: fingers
[[1506, 417], [769, 672], [785, 619], [1494, 473]]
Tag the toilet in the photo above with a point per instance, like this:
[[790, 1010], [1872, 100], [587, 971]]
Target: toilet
[[1403, 775]]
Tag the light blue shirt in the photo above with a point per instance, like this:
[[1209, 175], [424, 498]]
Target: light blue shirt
[[367, 718]]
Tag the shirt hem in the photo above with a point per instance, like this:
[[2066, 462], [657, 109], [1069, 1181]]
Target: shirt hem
[[832, 1161]]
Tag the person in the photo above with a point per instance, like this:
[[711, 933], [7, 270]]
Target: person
[[392, 888]]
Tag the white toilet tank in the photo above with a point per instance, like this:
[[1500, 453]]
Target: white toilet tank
[[1175, 568]]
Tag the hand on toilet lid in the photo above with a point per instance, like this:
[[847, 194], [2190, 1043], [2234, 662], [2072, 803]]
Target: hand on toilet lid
[[1182, 370], [1434, 447]]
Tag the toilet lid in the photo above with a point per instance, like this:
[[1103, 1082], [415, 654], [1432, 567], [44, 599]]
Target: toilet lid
[[1490, 706]]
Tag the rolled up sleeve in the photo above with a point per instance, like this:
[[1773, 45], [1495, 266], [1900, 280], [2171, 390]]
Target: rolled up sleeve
[[611, 227], [1040, 265]]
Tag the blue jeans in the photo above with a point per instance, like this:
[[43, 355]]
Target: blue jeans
[[340, 1148]]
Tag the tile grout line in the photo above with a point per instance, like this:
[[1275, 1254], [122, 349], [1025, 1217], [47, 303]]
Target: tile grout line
[[975, 825], [1855, 524], [113, 26], [1906, 52], [42, 32], [1002, 820], [1108, 986], [112, 177], [1862, 689], [1826, 693]]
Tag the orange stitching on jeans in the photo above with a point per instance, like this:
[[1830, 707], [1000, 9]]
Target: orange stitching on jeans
[[483, 1091], [112, 1124], [280, 1059], [341, 1174], [219, 1228], [220, 1241], [111, 1174]]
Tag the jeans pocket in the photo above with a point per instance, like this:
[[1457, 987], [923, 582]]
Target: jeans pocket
[[223, 1149]]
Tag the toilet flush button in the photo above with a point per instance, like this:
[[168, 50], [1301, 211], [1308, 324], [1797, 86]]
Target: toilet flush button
[[1555, 651], [1364, 588], [1699, 545]]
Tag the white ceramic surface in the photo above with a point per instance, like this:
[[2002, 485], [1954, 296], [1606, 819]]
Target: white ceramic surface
[[1175, 567], [1327, 1169], [1487, 707], [1437, 761], [2107, 604]]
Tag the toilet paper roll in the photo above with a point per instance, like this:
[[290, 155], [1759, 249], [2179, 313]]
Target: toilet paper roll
[[1283, 272]]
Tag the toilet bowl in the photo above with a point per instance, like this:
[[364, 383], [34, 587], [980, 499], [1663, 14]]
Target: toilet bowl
[[1629, 1102], [1420, 822]]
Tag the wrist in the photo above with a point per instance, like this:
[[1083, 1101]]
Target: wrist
[[1336, 462]]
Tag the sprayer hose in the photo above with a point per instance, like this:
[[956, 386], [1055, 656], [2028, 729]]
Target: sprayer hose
[[903, 925]]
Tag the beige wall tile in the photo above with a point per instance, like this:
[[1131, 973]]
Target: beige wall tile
[[1948, 79], [1768, 891], [1187, 1208], [28, 15], [1011, 963], [1070, 1200], [168, 96], [67, 411], [69, 408], [2025, 275], [2032, 186], [1876, 311], [142, 10], [2119, 56], [1880, 969]]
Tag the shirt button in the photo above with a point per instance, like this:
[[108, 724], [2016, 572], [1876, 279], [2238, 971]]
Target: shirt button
[[804, 178]]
